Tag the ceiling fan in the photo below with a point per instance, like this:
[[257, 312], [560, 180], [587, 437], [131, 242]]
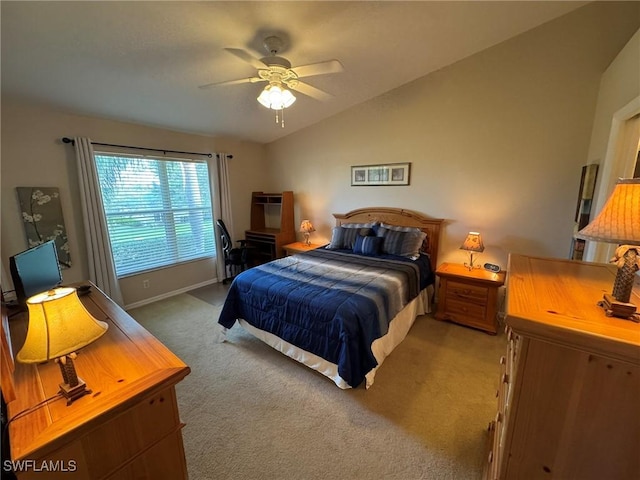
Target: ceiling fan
[[277, 71]]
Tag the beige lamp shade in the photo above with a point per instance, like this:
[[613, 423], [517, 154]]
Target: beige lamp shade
[[473, 243], [58, 325], [619, 219], [306, 226]]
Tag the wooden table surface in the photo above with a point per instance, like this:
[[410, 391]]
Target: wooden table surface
[[123, 366]]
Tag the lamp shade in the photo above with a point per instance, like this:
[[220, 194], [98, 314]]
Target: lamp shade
[[619, 219], [276, 97], [306, 226], [58, 325], [473, 243]]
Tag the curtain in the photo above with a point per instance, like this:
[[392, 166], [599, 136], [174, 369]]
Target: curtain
[[221, 188], [101, 266]]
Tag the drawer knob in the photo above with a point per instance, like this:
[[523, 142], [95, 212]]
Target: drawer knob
[[505, 378]]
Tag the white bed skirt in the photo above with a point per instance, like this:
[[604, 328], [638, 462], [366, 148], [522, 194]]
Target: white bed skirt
[[381, 347]]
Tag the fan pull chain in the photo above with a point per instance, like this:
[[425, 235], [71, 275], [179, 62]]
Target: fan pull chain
[[280, 118]]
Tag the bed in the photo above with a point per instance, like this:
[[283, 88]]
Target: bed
[[342, 309]]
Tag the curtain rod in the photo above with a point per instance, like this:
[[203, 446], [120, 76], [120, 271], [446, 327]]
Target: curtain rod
[[72, 142]]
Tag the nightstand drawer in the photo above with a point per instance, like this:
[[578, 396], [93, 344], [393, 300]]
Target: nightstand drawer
[[464, 311], [468, 293]]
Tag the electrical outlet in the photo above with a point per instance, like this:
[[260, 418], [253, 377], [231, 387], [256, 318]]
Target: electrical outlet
[[145, 283]]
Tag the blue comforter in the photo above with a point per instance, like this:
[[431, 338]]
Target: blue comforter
[[330, 303]]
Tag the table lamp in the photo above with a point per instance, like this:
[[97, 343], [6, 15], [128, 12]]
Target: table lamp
[[59, 325], [473, 243], [307, 227], [619, 222]]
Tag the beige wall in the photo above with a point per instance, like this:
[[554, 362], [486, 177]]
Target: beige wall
[[496, 141], [33, 155]]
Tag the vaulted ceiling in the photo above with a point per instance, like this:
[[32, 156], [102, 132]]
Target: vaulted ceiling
[[142, 62]]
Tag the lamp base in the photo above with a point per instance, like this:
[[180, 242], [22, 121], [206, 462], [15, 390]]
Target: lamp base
[[470, 266], [615, 308], [75, 392]]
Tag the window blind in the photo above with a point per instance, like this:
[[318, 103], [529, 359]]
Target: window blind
[[158, 211]]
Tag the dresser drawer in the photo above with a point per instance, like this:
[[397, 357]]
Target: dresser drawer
[[130, 433], [462, 310], [120, 441], [467, 293]]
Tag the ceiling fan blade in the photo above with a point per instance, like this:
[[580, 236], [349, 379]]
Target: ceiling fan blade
[[322, 68], [247, 57], [233, 82], [312, 92]]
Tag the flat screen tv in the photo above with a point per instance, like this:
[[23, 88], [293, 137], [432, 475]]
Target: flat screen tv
[[35, 270]]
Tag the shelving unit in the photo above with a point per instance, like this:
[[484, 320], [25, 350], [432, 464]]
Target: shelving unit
[[272, 226]]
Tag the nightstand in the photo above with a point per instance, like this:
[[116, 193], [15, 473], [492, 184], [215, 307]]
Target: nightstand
[[299, 247], [469, 297]]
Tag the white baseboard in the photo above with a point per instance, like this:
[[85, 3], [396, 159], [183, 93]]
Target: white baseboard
[[169, 294]]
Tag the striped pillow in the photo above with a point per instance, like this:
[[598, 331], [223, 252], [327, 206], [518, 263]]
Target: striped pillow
[[403, 243], [369, 245], [345, 236], [398, 228], [337, 238]]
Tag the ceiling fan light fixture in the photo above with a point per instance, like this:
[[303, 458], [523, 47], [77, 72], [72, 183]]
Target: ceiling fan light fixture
[[276, 97]]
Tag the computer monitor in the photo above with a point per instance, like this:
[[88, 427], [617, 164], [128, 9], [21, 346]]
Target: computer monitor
[[35, 270]]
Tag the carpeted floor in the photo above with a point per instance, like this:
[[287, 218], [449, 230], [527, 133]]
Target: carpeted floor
[[252, 413]]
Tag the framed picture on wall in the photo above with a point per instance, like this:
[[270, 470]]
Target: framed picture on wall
[[41, 213], [384, 174]]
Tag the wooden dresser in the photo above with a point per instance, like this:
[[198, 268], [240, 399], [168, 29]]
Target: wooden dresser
[[127, 428], [569, 394]]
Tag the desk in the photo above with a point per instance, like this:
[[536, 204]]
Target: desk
[[127, 428]]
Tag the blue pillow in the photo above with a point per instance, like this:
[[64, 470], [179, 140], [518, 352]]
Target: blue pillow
[[368, 245]]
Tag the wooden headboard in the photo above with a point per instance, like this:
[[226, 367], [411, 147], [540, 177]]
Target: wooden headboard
[[400, 217]]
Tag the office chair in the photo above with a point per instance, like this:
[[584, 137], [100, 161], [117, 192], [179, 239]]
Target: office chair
[[235, 259]]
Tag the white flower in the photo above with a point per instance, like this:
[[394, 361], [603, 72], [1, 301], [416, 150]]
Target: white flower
[[36, 217], [40, 197]]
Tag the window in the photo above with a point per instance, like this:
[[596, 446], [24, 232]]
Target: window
[[158, 211]]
